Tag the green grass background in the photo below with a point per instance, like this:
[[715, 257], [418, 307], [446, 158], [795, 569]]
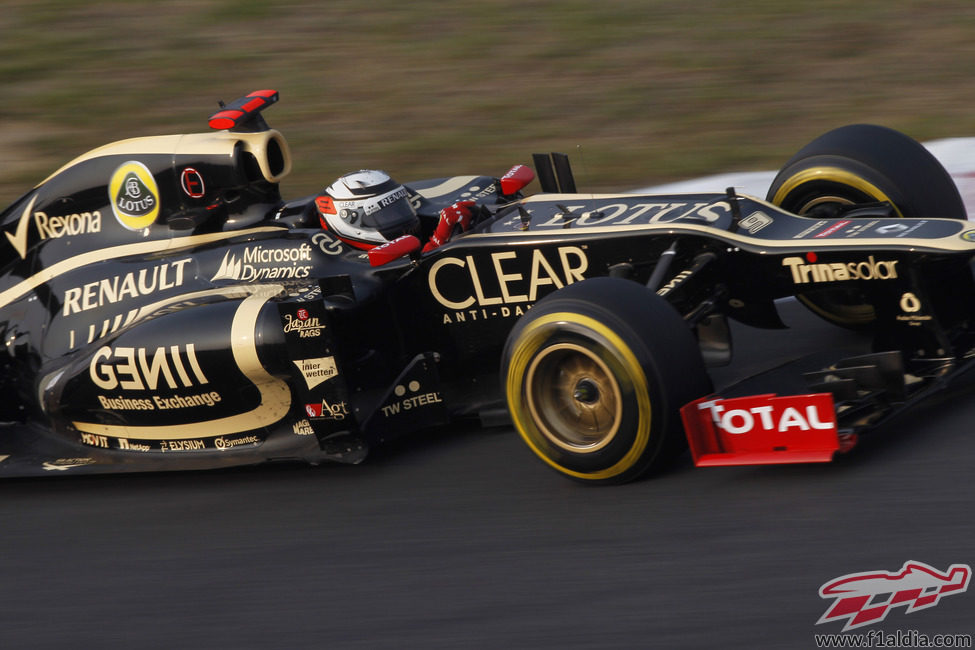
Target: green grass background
[[636, 92]]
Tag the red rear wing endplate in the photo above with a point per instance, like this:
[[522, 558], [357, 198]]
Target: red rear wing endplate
[[244, 113]]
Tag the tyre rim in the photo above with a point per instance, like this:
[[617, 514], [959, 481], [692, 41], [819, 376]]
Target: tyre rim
[[808, 206], [844, 305], [574, 398]]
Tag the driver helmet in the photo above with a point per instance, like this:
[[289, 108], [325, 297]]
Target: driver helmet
[[367, 208]]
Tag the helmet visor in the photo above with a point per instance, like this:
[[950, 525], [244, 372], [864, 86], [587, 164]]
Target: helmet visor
[[392, 215]]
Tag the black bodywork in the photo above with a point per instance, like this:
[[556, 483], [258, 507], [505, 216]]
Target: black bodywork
[[162, 307]]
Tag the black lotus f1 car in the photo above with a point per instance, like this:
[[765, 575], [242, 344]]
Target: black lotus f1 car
[[162, 307]]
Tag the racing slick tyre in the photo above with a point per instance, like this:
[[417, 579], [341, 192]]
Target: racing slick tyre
[[861, 164], [595, 375]]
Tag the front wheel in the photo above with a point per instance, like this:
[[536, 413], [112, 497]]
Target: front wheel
[[855, 165], [595, 375]]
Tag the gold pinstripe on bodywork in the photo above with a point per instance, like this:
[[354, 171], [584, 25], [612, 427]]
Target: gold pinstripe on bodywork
[[11, 294], [949, 244], [217, 143], [275, 399]]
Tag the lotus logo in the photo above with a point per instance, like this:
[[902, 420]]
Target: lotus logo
[[867, 598], [134, 195]]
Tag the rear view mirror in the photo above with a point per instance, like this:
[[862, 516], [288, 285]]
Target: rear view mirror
[[405, 245], [516, 178]]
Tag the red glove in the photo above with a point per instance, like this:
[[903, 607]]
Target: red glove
[[457, 214]]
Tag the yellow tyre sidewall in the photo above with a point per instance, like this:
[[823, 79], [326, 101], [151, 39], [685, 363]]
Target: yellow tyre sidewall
[[840, 177], [831, 175], [633, 382]]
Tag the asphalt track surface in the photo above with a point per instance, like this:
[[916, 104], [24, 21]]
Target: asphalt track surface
[[462, 539]]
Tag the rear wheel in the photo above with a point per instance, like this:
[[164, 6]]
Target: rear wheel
[[855, 165], [595, 375]]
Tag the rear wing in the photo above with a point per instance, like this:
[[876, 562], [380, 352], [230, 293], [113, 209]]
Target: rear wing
[[244, 114]]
